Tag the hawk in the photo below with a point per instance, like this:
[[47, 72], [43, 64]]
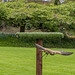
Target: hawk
[[52, 52]]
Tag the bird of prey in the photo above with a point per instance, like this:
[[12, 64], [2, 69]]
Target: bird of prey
[[51, 52]]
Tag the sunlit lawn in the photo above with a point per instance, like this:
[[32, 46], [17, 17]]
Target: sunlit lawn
[[22, 61]]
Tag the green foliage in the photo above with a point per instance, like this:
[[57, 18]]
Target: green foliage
[[28, 25], [54, 18], [47, 18], [3, 13], [40, 35], [64, 15], [14, 5], [55, 42]]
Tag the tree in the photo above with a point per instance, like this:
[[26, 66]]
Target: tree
[[46, 18], [3, 16]]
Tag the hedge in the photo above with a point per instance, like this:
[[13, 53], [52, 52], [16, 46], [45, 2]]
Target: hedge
[[11, 41], [39, 35]]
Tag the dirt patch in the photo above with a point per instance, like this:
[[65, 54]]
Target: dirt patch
[[10, 29]]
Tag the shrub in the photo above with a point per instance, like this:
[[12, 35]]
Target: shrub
[[40, 35], [55, 42], [3, 13]]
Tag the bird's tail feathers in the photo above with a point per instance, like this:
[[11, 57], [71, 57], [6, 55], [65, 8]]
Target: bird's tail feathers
[[66, 53]]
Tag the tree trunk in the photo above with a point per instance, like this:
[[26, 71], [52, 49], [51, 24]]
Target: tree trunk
[[57, 2], [22, 28]]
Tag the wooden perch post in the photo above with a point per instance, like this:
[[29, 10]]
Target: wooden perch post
[[38, 59], [39, 36]]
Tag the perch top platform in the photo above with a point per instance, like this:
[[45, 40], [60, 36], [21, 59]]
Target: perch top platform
[[39, 35]]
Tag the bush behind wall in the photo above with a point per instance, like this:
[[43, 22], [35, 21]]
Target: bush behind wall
[[11, 41]]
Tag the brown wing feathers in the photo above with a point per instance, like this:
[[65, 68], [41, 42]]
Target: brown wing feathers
[[51, 52], [65, 53]]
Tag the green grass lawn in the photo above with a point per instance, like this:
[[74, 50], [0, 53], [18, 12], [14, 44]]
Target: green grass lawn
[[22, 61]]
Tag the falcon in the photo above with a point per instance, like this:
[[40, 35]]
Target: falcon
[[52, 52]]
